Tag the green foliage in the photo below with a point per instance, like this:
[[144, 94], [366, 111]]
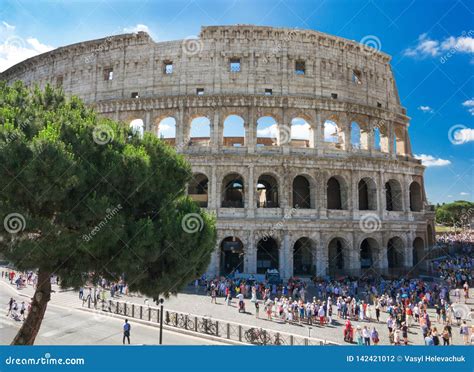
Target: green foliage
[[95, 198], [456, 213]]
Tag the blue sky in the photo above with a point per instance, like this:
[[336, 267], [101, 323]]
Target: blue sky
[[431, 42]]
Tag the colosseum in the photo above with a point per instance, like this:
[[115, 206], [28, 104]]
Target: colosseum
[[297, 140]]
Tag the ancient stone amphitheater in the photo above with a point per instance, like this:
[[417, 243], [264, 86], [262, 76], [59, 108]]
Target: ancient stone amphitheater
[[297, 140]]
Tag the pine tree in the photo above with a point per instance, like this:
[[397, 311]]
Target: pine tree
[[83, 197]]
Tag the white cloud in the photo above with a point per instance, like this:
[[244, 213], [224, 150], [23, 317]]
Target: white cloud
[[464, 136], [268, 132], [14, 49], [137, 28], [300, 131], [470, 105], [431, 161], [463, 193], [427, 47], [425, 108]]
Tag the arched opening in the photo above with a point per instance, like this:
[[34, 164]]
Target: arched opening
[[267, 192], [233, 191], [303, 257], [137, 127], [301, 133], [384, 138], [166, 130], [232, 256], [301, 193], [367, 194], [336, 193], [198, 189], [234, 131], [355, 135], [395, 253], [267, 255], [393, 195], [200, 133], [416, 198], [333, 134], [336, 255], [418, 251], [368, 249], [267, 131], [377, 140]]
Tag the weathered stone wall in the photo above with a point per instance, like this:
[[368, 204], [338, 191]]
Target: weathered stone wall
[[267, 60]]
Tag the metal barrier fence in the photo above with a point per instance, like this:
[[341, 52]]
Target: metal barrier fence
[[206, 325]]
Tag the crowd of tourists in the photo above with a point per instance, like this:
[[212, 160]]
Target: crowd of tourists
[[405, 303], [462, 240]]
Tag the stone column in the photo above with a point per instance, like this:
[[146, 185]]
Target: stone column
[[391, 136], [370, 136], [318, 133], [251, 204], [146, 122], [406, 194], [251, 254], [381, 200], [214, 195], [408, 257], [250, 132], [346, 128], [216, 138], [288, 263], [180, 130], [407, 142], [283, 256]]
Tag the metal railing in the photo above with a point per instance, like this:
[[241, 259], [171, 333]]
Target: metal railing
[[206, 325]]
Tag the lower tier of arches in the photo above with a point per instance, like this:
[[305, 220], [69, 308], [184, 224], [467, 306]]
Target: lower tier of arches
[[317, 254]]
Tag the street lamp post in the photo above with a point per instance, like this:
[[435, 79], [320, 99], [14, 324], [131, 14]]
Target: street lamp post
[[161, 320]]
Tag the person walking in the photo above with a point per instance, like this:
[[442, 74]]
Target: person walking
[[366, 335], [375, 336], [126, 331], [10, 305]]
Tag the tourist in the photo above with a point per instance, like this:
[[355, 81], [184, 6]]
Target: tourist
[[366, 335], [375, 336], [126, 332], [465, 332]]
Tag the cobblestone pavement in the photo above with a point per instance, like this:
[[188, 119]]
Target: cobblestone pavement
[[199, 304]]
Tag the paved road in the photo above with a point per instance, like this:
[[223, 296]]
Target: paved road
[[68, 326]]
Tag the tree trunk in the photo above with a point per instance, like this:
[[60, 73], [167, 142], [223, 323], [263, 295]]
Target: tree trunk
[[31, 326]]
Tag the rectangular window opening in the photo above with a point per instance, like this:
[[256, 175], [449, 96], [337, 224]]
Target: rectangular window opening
[[379, 105], [334, 95], [200, 91], [235, 65], [135, 95], [300, 67], [356, 77], [59, 82], [108, 73], [268, 92], [168, 68]]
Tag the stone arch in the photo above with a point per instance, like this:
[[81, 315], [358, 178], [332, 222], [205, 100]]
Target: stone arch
[[377, 139], [418, 251], [367, 192], [267, 254], [234, 131], [338, 255], [356, 135], [304, 254], [231, 256], [395, 253], [369, 252], [333, 133], [165, 129], [200, 131], [233, 191], [137, 127], [416, 197], [301, 133], [393, 195], [303, 192], [383, 134], [267, 191], [198, 189], [337, 193], [267, 131]]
